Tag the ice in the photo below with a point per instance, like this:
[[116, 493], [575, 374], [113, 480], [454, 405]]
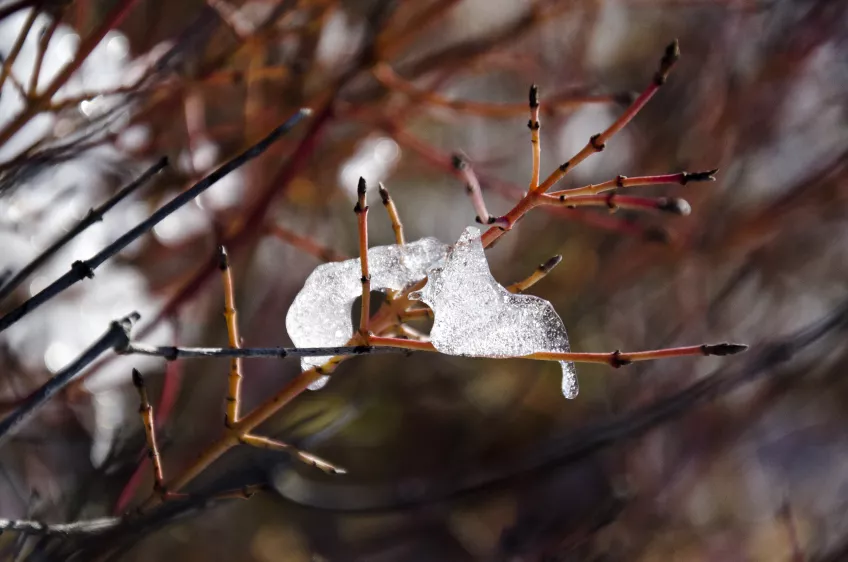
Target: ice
[[321, 311], [477, 317]]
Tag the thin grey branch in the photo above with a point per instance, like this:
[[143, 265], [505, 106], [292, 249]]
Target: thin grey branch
[[82, 269], [117, 337], [93, 216], [172, 353], [91, 526]]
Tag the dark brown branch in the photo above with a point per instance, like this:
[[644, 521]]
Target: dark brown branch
[[30, 527], [93, 216], [117, 337], [82, 269]]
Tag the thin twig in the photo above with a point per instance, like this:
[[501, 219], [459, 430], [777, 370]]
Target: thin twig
[[117, 337], [305, 244], [361, 210], [394, 216], [9, 61], [43, 44], [310, 459], [172, 353], [391, 80], [614, 359], [234, 384], [472, 187], [93, 216], [537, 275], [85, 269], [681, 178], [147, 420], [30, 527], [613, 201], [535, 142]]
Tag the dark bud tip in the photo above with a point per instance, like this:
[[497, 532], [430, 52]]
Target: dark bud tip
[[137, 379], [362, 187], [709, 175], [672, 53], [458, 162], [722, 349], [534, 96], [223, 259], [674, 205], [384, 193], [551, 263]]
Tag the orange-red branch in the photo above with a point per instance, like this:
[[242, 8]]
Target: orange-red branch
[[146, 411], [598, 142], [361, 210], [234, 384], [614, 201], [681, 178], [305, 244], [535, 142]]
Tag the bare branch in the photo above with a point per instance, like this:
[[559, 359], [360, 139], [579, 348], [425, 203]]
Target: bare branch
[[117, 337], [82, 269], [93, 216]]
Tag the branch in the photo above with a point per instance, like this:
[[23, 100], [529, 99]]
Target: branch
[[82, 269], [230, 316], [394, 216], [172, 353], [93, 216], [29, 527], [115, 338], [361, 210]]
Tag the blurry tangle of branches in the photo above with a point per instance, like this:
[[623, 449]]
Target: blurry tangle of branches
[[390, 328]]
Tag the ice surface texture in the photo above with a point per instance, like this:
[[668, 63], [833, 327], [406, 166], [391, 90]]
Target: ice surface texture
[[320, 314], [477, 317]]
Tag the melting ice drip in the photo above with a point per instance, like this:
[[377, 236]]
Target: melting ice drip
[[477, 317], [320, 314]]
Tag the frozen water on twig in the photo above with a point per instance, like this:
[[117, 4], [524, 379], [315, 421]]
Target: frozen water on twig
[[320, 314], [475, 316]]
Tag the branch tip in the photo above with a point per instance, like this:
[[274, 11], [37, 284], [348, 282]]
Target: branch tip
[[723, 349], [534, 96], [671, 56], [223, 259], [458, 161], [550, 264], [137, 379], [709, 175], [674, 205], [384, 193]]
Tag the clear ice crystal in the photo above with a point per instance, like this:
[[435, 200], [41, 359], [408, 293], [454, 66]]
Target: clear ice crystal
[[321, 311], [477, 317]]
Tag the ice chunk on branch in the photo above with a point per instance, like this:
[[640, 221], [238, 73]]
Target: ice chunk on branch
[[477, 317], [320, 314]]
